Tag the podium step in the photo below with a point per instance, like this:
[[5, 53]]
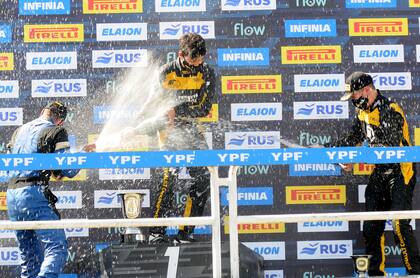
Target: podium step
[[130, 260]]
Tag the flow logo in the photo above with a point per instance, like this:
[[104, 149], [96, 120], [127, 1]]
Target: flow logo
[[312, 3], [252, 140], [5, 33], [173, 30], [319, 169], [369, 4], [319, 83], [270, 250], [248, 30], [246, 5], [270, 111], [44, 7], [320, 110], [392, 81], [51, 60], [243, 57], [323, 226], [249, 196], [124, 174], [59, 88], [324, 249], [11, 116], [9, 88], [9, 256], [310, 28], [69, 199], [119, 58], [110, 199], [170, 6], [121, 31], [391, 53]]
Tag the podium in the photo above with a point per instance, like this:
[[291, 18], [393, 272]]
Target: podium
[[130, 260]]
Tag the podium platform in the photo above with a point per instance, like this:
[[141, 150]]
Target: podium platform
[[169, 261]]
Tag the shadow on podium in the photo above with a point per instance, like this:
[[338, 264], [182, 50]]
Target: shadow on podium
[[174, 261]]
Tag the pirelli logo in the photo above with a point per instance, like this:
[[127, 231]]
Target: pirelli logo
[[414, 3], [53, 33], [361, 169], [316, 194], [112, 6], [321, 54], [251, 84], [213, 116], [7, 61], [264, 228], [3, 201], [417, 136], [378, 27]]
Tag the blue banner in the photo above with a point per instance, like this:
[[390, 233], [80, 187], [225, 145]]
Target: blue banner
[[208, 158]]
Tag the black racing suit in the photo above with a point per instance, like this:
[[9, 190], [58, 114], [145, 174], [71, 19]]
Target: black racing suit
[[193, 88], [390, 186]]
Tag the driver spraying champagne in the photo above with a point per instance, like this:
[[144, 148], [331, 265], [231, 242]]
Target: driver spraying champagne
[[190, 82]]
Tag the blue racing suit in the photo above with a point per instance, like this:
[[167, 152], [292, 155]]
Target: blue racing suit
[[43, 252]]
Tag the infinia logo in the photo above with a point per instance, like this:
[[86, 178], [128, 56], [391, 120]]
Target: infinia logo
[[44, 7], [310, 28], [378, 27], [370, 4], [249, 196], [243, 56]]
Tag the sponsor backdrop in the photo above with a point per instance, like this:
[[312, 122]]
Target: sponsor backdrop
[[280, 65]]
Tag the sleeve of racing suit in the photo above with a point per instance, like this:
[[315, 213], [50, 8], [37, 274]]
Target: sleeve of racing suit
[[389, 132], [205, 98], [62, 145], [355, 137]]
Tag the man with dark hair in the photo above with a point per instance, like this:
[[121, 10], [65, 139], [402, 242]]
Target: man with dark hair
[[43, 252], [191, 81], [381, 123]]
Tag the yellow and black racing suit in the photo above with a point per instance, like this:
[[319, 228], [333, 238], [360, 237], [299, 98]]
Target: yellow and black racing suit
[[193, 88], [390, 186]]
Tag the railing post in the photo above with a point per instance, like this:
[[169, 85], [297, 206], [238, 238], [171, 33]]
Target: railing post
[[233, 225], [215, 214]]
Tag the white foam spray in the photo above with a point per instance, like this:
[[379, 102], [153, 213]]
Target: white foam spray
[[140, 103]]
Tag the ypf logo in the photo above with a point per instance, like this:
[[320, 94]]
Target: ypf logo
[[320, 110], [173, 30], [119, 58], [59, 88], [246, 5], [324, 249]]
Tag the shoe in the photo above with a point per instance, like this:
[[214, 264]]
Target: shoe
[[184, 237], [157, 239]]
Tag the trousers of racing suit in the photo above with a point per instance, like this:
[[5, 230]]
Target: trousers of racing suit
[[187, 136], [386, 190], [43, 252]]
